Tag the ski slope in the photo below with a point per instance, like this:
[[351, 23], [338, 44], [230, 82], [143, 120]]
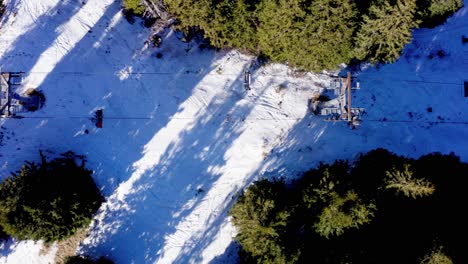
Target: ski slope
[[182, 137]]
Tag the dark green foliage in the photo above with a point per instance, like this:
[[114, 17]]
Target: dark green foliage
[[385, 31], [314, 36], [2, 8], [192, 13], [261, 216], [49, 200], [134, 7], [343, 213], [3, 235], [311, 34], [86, 260], [435, 12], [437, 256]]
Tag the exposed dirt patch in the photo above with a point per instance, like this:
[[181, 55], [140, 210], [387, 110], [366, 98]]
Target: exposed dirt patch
[[67, 247]]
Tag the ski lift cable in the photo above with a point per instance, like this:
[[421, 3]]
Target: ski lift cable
[[416, 121], [460, 83], [243, 119], [140, 118]]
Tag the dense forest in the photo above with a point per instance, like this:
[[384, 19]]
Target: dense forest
[[383, 208], [309, 34]]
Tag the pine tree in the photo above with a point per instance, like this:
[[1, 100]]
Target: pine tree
[[280, 22], [336, 207], [312, 36], [330, 25], [385, 31], [260, 217], [434, 12], [191, 13], [134, 7], [437, 257], [343, 212], [49, 200], [233, 25], [403, 181]]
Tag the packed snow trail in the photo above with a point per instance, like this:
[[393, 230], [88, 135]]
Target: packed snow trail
[[182, 137]]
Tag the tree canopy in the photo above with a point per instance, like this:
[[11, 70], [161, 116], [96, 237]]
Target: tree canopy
[[383, 208], [311, 34], [385, 31], [49, 200]]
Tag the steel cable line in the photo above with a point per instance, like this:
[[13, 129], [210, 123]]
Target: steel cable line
[[237, 74], [242, 119]]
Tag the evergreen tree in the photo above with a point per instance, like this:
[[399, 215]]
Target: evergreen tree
[[385, 31], [134, 7], [260, 216], [437, 257], [313, 36], [343, 212], [281, 22], [50, 200], [233, 25], [191, 13], [403, 181], [324, 218], [335, 206], [434, 12]]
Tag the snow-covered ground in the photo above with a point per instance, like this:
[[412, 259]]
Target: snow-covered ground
[[182, 137]]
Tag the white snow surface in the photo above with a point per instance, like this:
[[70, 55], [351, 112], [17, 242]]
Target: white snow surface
[[182, 137]]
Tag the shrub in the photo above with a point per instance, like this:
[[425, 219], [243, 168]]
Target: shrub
[[49, 200]]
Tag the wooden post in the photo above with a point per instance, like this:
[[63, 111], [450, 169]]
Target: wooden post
[[342, 98], [348, 86], [8, 96], [247, 79]]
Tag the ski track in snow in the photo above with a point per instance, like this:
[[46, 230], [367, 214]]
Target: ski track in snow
[[181, 137]]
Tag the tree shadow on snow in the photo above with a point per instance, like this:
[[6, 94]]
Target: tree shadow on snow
[[229, 256], [27, 49], [167, 196], [136, 106]]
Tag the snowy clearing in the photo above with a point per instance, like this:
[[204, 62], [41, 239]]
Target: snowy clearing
[[182, 137]]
